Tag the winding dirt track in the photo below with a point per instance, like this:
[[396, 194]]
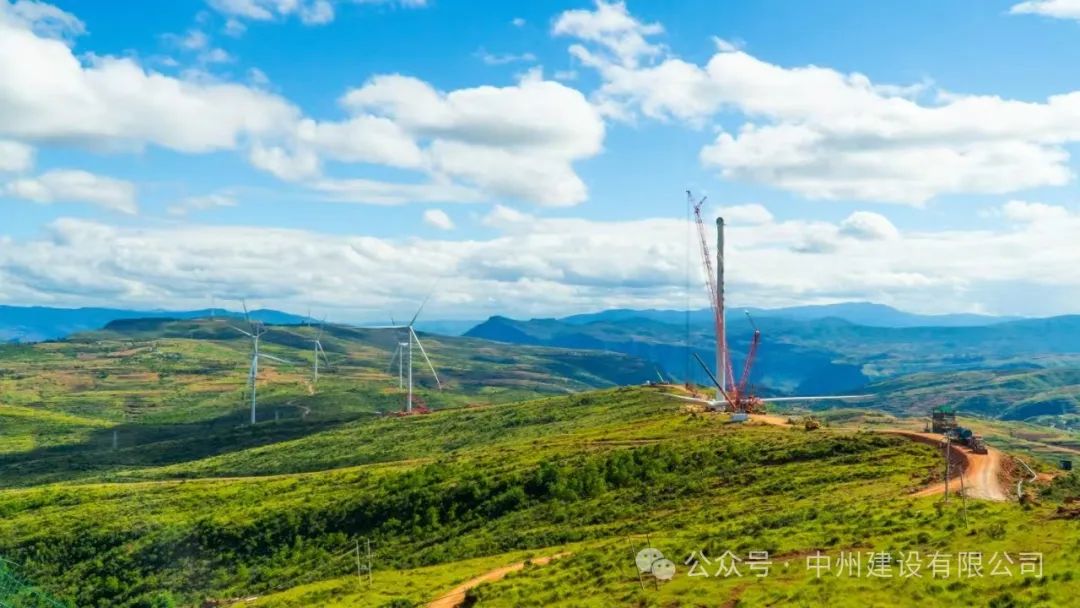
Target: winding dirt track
[[981, 480], [981, 471], [456, 596]]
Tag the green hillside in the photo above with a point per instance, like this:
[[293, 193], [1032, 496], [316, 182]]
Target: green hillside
[[170, 392], [445, 497], [1046, 396]]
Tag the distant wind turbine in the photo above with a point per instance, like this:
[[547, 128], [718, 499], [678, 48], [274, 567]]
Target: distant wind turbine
[[257, 329], [318, 351], [405, 352]]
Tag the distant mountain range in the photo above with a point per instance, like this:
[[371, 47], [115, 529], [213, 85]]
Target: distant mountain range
[[804, 350], [811, 350], [859, 313], [38, 323]]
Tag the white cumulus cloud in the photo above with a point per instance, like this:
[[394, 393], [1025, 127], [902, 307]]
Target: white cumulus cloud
[[15, 157], [826, 134], [48, 94], [201, 203], [542, 266], [1058, 9], [438, 218], [745, 214], [1023, 211], [74, 186], [869, 226]]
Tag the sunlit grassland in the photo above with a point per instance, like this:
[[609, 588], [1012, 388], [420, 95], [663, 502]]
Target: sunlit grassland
[[578, 473]]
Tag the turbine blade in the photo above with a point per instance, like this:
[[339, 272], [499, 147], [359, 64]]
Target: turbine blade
[[278, 359], [423, 352], [713, 378], [419, 310], [818, 398], [393, 357], [322, 326], [241, 331], [690, 399]]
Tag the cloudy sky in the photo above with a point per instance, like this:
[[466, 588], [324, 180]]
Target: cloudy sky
[[531, 159]]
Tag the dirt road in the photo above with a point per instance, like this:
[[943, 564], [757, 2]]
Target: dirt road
[[456, 596], [770, 419], [981, 471]]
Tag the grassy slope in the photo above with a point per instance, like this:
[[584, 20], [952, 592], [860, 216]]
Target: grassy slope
[[1042, 395], [172, 391], [457, 492]]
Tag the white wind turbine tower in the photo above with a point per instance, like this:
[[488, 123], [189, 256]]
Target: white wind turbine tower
[[398, 356], [404, 354], [318, 351], [257, 331]]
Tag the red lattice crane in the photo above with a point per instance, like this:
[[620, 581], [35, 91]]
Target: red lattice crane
[[739, 397], [716, 302]]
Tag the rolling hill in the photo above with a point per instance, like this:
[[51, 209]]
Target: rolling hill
[[592, 477], [38, 323], [167, 391]]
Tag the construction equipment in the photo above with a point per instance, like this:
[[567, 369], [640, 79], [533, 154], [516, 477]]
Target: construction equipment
[[738, 399], [714, 284], [811, 424], [969, 438], [942, 419]]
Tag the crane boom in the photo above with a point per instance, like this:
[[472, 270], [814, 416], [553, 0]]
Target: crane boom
[[722, 361], [744, 380]]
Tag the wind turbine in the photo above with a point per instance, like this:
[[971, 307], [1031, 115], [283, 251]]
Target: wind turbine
[[401, 363], [318, 348], [404, 354], [257, 331]]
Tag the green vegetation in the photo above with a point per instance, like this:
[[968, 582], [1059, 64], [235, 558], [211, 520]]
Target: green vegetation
[[171, 392], [195, 509], [1044, 396]]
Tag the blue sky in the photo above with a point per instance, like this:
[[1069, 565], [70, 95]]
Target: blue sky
[[531, 158]]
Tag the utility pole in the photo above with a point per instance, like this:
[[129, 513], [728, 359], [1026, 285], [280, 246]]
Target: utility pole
[[633, 558], [948, 467], [367, 545], [360, 567], [359, 578], [963, 495]]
